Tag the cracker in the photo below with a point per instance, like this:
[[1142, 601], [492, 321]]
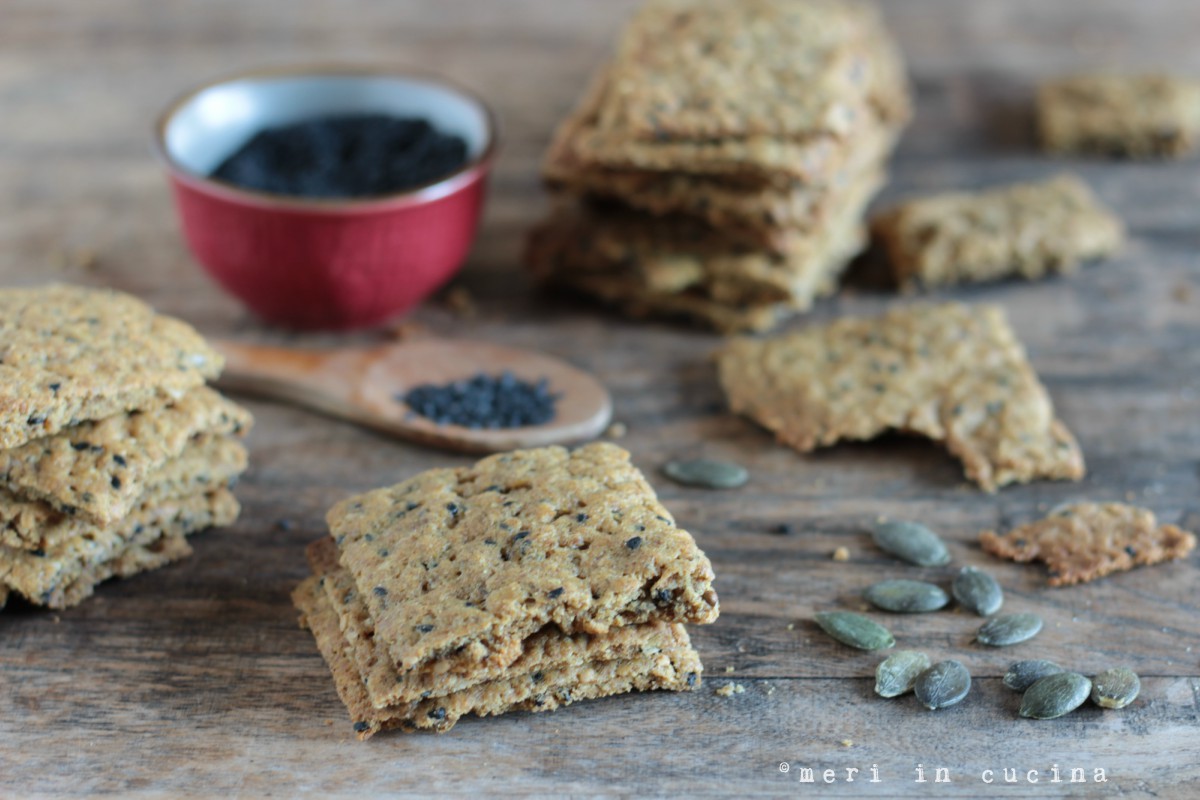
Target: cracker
[[711, 69], [547, 649], [953, 373], [1027, 230], [69, 354], [42, 576], [674, 668], [1138, 116], [494, 552], [208, 463], [98, 469], [1082, 542], [136, 559]]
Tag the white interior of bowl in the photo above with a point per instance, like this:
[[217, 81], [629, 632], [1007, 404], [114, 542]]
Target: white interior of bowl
[[212, 124]]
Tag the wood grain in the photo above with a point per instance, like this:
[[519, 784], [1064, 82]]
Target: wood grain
[[196, 680]]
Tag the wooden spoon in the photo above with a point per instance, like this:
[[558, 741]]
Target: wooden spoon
[[367, 386]]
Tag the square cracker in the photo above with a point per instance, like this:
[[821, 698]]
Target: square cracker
[[1139, 116], [1082, 542], [494, 552], [953, 373], [69, 354], [1026, 229], [207, 464], [64, 576], [98, 469], [711, 69], [548, 649], [676, 667]]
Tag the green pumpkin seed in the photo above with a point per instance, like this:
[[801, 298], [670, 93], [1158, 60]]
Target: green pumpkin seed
[[911, 542], [906, 597], [855, 630], [1055, 695], [1009, 629], [1023, 674], [898, 673], [942, 685], [1115, 688], [977, 591], [707, 473]]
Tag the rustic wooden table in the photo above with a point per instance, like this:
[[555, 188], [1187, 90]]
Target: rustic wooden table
[[197, 680]]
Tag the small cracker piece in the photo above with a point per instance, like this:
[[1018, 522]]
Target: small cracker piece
[[676, 667], [69, 354], [954, 373], [1137, 116], [99, 469], [494, 552], [1028, 230], [1082, 542]]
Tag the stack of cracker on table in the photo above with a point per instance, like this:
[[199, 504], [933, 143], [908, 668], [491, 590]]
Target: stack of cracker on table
[[112, 449], [720, 166], [526, 582]]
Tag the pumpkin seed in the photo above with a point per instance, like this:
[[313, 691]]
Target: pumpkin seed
[[977, 591], [707, 473], [1023, 674], [855, 630], [1115, 688], [1009, 629], [1055, 695], [906, 597], [897, 674], [943, 684], [912, 542]]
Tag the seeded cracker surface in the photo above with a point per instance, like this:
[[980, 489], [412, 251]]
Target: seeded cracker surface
[[679, 73], [1028, 230], [207, 464], [953, 373], [69, 354], [494, 552], [674, 667], [56, 577], [1140, 116], [99, 469], [135, 559], [548, 649], [1080, 543]]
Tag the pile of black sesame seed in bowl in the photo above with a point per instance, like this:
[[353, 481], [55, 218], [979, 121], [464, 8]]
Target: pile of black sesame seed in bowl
[[1049, 691]]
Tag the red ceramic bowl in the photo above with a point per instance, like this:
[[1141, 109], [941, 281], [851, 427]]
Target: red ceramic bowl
[[331, 264]]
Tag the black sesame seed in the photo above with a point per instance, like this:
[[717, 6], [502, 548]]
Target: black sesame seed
[[581, 517], [537, 677], [411, 506], [380, 591], [555, 592], [359, 727], [521, 535], [452, 508], [119, 460], [663, 596], [1130, 551], [54, 387], [80, 446], [484, 401], [424, 628], [634, 543], [284, 524], [40, 553], [691, 679], [36, 419], [438, 714], [116, 482]]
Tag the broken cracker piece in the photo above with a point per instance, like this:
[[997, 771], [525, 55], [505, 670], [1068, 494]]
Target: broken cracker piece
[[953, 373], [1082, 542]]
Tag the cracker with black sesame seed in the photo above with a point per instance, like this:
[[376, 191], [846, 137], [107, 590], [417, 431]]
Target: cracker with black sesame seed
[[208, 463], [1026, 230], [63, 577], [98, 469], [494, 552], [954, 373], [546, 650], [673, 666], [710, 69], [1137, 116], [1082, 542], [70, 354]]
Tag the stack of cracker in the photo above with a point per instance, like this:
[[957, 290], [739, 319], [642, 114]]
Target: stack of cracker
[[112, 449], [528, 581], [720, 165]]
